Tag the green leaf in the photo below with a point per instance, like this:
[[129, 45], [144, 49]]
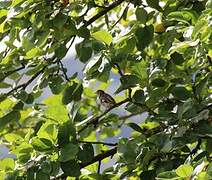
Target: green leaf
[[66, 134], [124, 46], [129, 80], [158, 82], [30, 173], [201, 85], [41, 144], [60, 20], [204, 176], [150, 175], [184, 170], [141, 15], [154, 4], [4, 85], [181, 47], [85, 54], [46, 167], [71, 168], [135, 127], [22, 95], [56, 84], [144, 36], [86, 153], [103, 36], [55, 109], [48, 131], [2, 26], [7, 164], [199, 27], [84, 32], [3, 12], [30, 99], [15, 2], [72, 93], [61, 51], [138, 96], [68, 152], [18, 106], [55, 167], [97, 46], [32, 53], [181, 93], [84, 51], [183, 16], [42, 37], [41, 175], [177, 58], [127, 150], [168, 175], [8, 118]]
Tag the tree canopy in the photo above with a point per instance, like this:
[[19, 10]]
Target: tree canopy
[[160, 50]]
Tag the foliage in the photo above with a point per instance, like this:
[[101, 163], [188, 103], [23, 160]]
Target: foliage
[[160, 49]]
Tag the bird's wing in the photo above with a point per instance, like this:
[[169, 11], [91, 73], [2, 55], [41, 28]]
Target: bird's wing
[[109, 99]]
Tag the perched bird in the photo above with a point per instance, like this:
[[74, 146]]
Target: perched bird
[[105, 99]]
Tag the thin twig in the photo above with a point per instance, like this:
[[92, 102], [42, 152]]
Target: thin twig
[[119, 69], [72, 42], [99, 167], [124, 118], [98, 142], [8, 73], [64, 71], [24, 85], [103, 12], [122, 74], [122, 15]]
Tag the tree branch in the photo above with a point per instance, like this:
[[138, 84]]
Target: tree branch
[[122, 15], [113, 151], [24, 85], [8, 73], [64, 71], [93, 142], [97, 158], [124, 118], [95, 120], [103, 12], [100, 157]]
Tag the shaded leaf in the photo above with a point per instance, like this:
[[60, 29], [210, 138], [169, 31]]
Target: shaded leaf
[[86, 153], [72, 93], [68, 152], [71, 168], [144, 36]]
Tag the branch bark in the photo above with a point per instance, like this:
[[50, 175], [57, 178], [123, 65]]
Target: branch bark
[[24, 85], [97, 158], [103, 12], [98, 142], [8, 73], [95, 120]]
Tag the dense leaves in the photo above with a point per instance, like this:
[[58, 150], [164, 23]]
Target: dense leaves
[[154, 55]]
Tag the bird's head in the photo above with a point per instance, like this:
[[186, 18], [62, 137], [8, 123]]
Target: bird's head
[[100, 92]]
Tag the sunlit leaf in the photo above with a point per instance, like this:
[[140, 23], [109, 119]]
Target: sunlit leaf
[[103, 36]]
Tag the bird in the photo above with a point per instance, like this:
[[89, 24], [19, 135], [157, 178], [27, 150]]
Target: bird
[[105, 99]]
